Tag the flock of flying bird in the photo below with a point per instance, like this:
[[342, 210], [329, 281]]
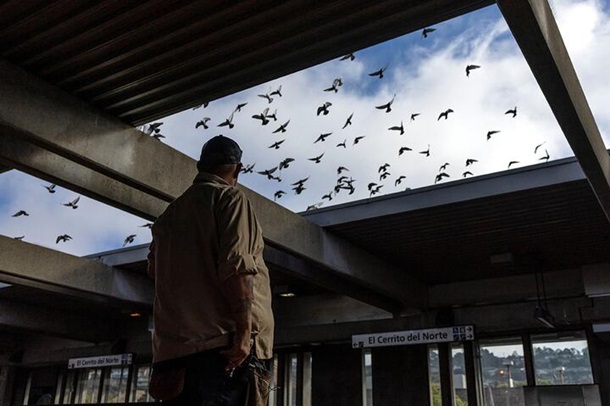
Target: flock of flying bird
[[343, 182], [267, 116], [73, 204]]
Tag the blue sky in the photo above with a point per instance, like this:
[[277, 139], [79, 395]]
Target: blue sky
[[426, 75]]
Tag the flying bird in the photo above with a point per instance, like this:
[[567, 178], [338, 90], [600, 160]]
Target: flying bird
[[300, 182], [440, 177], [266, 96], [20, 213], [383, 168], [247, 168], [538, 146], [158, 136], [316, 159], [147, 225], [273, 116], [379, 72], [19, 238], [278, 195], [414, 115], [282, 128], [444, 114], [469, 68], [276, 145], [203, 123], [298, 189], [285, 163], [277, 92], [342, 144], [467, 173], [348, 121], [443, 167], [400, 128], [371, 185], [349, 56], [337, 83], [63, 238], [324, 108], [154, 128], [512, 111], [50, 188], [129, 239], [490, 133], [426, 152], [387, 106], [342, 169], [227, 122], [402, 150], [239, 107], [376, 190], [73, 203], [470, 161], [357, 139], [384, 175], [328, 196], [268, 172], [262, 116], [322, 137], [511, 163], [546, 157], [427, 31], [399, 180]]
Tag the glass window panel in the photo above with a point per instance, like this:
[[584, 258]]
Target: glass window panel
[[307, 360], [367, 377], [139, 389], [88, 385], [69, 389], [503, 371], [60, 383], [115, 385], [291, 380], [562, 358], [272, 401], [458, 366], [434, 376]]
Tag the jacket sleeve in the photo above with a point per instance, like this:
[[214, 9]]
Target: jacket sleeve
[[237, 228]]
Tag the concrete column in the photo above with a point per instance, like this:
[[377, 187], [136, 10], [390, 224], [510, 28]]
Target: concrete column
[[600, 362], [400, 375], [336, 376]]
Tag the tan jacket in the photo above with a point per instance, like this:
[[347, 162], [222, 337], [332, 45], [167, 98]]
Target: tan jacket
[[207, 235]]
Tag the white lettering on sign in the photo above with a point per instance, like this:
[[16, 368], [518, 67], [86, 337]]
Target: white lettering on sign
[[102, 361], [433, 335]]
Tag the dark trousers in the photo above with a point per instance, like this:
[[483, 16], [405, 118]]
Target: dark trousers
[[207, 384]]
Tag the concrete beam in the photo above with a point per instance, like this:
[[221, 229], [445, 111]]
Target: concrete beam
[[38, 319], [32, 265], [4, 168], [81, 134], [535, 30]]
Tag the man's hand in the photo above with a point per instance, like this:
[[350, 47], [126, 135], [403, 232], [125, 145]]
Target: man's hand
[[239, 292], [238, 352]]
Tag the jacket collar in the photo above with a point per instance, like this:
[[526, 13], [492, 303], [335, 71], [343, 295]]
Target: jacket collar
[[204, 177]]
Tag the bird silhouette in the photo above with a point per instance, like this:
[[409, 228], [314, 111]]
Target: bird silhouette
[[20, 213], [50, 188], [342, 144], [400, 128], [511, 163], [358, 139], [388, 106], [300, 182], [266, 96], [490, 133], [546, 157], [19, 238], [316, 159], [129, 239], [426, 152], [322, 137], [147, 225], [153, 128], [467, 173], [351, 56], [273, 116], [470, 68], [444, 114], [384, 175], [538, 146], [282, 128], [277, 92], [402, 150], [63, 237], [158, 136], [443, 167], [348, 121], [512, 111], [399, 180], [278, 195], [440, 177], [298, 189], [262, 116], [379, 73], [470, 161], [337, 83], [324, 108], [414, 115], [427, 31], [239, 107], [383, 168], [228, 122], [203, 123], [73, 203], [276, 145], [342, 169], [268, 172], [328, 196], [247, 168], [375, 190], [371, 185], [285, 163]]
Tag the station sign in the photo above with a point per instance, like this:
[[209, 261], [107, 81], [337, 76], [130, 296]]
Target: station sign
[[101, 361], [411, 337]]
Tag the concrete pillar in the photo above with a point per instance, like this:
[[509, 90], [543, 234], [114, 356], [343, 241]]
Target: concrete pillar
[[600, 362], [400, 375], [336, 376]]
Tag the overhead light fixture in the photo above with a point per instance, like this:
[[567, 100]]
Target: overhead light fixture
[[288, 294], [135, 314], [544, 317]]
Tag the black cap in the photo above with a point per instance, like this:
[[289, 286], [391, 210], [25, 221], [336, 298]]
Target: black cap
[[218, 151]]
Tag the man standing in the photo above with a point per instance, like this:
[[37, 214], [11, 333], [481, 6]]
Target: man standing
[[213, 324]]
